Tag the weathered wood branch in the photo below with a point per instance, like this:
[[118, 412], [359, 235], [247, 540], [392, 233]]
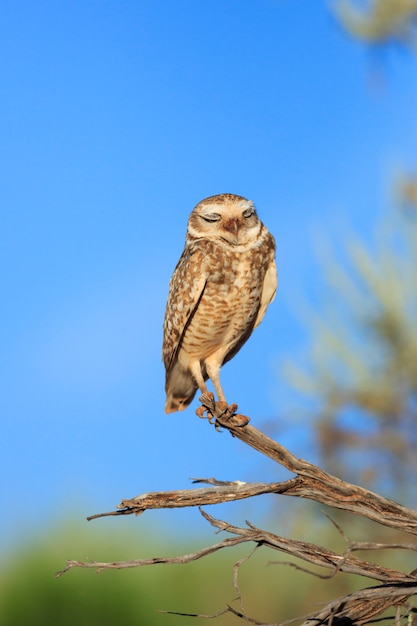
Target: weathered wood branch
[[314, 483], [223, 492], [309, 482], [358, 608], [311, 553]]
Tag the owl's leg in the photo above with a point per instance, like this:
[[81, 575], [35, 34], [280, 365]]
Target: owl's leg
[[195, 369], [220, 410], [213, 371]]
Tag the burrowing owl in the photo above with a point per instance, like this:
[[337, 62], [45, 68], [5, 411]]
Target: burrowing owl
[[218, 294]]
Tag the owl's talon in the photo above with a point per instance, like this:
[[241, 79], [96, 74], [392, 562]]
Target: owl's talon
[[232, 409], [240, 420], [207, 408], [221, 407], [200, 412], [207, 400], [225, 411], [220, 411], [229, 414]]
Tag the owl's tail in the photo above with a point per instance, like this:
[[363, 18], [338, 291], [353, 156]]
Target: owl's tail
[[180, 388]]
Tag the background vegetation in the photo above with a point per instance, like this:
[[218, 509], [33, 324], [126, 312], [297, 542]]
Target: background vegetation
[[30, 594]]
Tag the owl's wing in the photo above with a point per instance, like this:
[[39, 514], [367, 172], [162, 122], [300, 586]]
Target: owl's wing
[[268, 290], [185, 291]]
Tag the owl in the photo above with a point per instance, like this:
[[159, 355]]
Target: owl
[[219, 292]]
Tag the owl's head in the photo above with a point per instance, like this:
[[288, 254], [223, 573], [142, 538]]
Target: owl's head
[[225, 218]]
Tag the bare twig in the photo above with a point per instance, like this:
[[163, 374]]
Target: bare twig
[[185, 558]]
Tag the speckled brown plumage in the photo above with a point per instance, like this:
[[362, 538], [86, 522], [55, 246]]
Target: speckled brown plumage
[[218, 294]]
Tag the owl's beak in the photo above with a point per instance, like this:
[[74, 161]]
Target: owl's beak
[[232, 225]]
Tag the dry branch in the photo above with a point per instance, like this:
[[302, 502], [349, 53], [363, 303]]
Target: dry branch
[[314, 483], [356, 608], [311, 553], [310, 482], [223, 492]]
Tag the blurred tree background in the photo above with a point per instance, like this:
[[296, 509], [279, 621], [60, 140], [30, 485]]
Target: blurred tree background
[[362, 356], [379, 21], [362, 368], [362, 374], [271, 590]]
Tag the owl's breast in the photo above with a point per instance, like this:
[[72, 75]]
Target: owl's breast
[[228, 306]]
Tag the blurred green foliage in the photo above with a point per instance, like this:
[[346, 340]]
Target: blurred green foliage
[[31, 595], [361, 366], [379, 21]]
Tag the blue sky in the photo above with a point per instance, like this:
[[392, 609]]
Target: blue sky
[[117, 117]]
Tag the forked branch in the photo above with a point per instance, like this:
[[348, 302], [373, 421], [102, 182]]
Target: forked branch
[[309, 482]]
